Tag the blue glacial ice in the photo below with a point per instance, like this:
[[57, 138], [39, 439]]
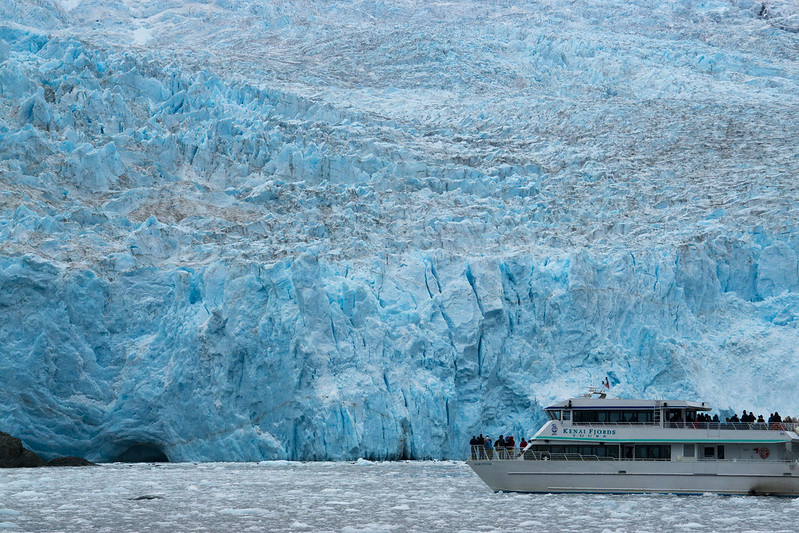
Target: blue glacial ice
[[245, 231]]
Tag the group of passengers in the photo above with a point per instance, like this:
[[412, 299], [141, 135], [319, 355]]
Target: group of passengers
[[484, 446], [745, 418], [749, 418], [704, 417], [694, 420]]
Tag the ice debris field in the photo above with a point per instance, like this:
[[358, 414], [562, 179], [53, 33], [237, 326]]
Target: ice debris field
[[345, 497], [297, 230]]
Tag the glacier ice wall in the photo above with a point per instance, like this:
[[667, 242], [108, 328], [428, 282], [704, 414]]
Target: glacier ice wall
[[370, 230]]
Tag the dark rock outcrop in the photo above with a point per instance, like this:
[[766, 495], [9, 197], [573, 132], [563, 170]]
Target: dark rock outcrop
[[14, 455], [69, 461]]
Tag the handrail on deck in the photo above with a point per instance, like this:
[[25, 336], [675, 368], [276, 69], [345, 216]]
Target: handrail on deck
[[481, 453], [745, 426], [511, 454]]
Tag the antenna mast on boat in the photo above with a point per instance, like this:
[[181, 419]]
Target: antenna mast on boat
[[600, 392]]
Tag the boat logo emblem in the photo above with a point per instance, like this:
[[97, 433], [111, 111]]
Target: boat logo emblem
[[554, 429]]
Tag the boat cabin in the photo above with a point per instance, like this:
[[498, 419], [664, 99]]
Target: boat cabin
[[598, 444], [596, 408], [599, 427]]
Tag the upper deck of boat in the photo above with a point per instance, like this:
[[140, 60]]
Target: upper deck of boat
[[596, 409], [597, 398]]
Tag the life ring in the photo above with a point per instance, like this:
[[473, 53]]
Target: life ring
[[764, 453]]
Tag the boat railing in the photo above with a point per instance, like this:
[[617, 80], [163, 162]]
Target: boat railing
[[679, 424], [512, 454], [616, 424], [738, 426], [481, 453]]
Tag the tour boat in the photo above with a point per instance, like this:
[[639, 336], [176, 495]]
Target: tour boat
[[597, 444]]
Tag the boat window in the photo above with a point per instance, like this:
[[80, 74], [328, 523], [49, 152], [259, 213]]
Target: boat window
[[567, 415], [604, 451], [554, 415], [719, 452], [674, 415], [628, 452], [653, 451], [585, 416], [688, 450], [614, 417], [709, 452]]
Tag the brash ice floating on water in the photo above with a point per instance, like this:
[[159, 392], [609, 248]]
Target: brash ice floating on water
[[237, 232], [362, 496]]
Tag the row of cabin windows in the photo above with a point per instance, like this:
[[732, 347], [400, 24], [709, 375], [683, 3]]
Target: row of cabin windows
[[616, 417], [640, 451], [708, 452], [653, 451], [599, 450], [613, 417]]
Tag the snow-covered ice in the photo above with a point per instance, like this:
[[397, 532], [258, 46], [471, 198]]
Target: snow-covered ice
[[357, 497], [298, 230]]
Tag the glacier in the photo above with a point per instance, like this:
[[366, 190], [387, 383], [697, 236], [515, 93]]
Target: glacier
[[235, 231]]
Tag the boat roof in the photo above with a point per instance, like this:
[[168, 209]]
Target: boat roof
[[597, 399], [616, 403]]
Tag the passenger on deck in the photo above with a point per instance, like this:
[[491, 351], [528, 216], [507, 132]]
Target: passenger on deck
[[510, 443], [523, 444], [716, 417], [489, 448], [760, 419], [500, 444], [473, 446]]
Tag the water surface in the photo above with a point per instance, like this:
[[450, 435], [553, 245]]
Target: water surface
[[350, 497]]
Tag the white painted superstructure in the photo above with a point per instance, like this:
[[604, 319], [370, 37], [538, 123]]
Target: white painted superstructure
[[607, 445]]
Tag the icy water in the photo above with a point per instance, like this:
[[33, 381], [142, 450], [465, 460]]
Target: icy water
[[357, 497]]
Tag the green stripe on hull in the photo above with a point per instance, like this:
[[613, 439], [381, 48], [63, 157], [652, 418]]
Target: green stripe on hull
[[599, 439]]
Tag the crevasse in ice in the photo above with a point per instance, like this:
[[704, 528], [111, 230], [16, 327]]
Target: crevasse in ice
[[244, 231]]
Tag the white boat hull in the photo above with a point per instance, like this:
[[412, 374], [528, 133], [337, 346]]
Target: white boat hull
[[615, 477]]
